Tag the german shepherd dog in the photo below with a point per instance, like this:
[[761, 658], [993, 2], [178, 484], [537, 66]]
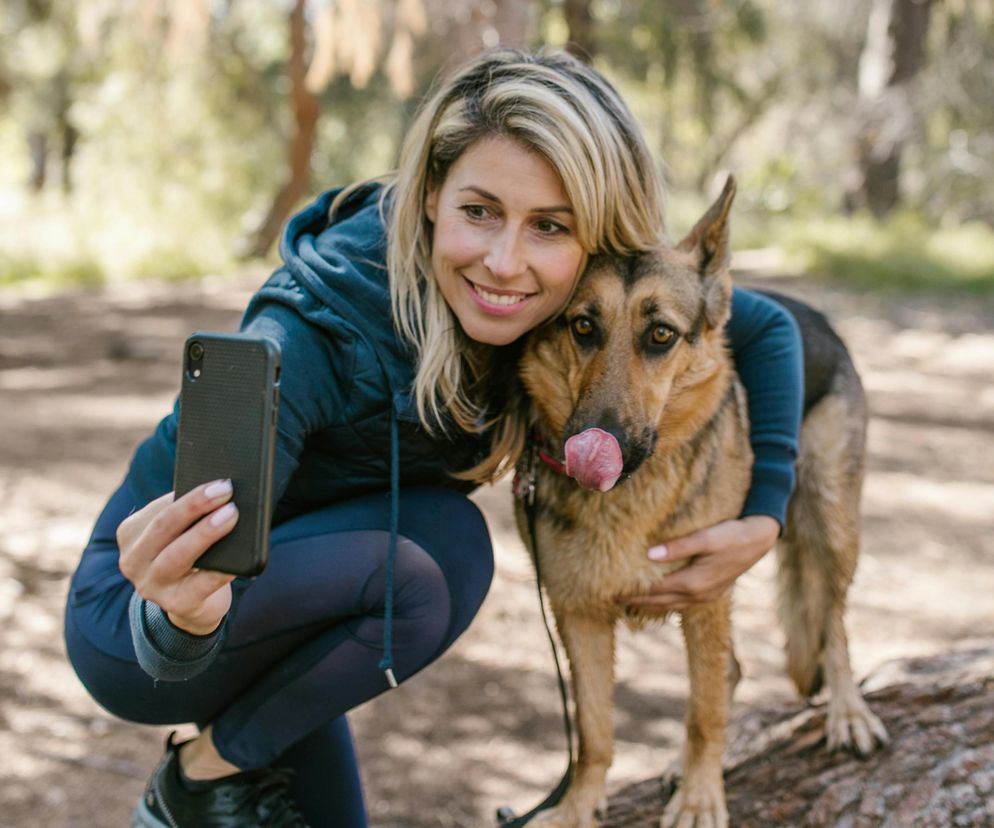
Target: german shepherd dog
[[634, 382]]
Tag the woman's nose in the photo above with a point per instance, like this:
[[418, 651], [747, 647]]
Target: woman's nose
[[504, 258]]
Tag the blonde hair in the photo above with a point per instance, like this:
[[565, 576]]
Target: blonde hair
[[569, 114]]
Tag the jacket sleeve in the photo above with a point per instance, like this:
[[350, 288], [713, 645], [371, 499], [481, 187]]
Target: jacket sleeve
[[766, 346], [313, 379], [165, 651]]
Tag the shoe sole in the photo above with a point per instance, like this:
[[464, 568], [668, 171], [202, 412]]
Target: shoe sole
[[143, 818]]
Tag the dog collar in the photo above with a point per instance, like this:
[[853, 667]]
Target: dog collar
[[556, 465], [523, 485]]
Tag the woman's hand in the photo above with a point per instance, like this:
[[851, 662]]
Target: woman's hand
[[159, 545], [719, 555]]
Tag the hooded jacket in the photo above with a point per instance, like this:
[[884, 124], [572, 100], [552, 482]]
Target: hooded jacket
[[348, 424]]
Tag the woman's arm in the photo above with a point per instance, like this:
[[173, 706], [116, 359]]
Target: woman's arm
[[766, 346], [176, 629]]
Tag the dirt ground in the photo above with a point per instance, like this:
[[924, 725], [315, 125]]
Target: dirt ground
[[84, 376]]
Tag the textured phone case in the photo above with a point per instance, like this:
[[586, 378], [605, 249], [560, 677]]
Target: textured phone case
[[227, 428]]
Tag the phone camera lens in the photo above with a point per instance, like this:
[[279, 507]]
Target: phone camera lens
[[196, 351]]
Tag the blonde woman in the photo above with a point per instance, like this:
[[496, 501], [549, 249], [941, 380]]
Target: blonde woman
[[399, 311]]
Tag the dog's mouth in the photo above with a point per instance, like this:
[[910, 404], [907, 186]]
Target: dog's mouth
[[594, 459]]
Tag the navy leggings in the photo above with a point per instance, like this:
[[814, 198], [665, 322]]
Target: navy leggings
[[304, 638]]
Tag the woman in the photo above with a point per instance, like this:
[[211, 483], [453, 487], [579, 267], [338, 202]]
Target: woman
[[398, 311]]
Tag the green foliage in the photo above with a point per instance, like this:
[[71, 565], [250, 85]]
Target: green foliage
[[183, 143], [170, 263], [19, 269], [902, 253]]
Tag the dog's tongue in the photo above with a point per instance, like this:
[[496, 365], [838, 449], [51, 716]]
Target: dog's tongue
[[593, 457]]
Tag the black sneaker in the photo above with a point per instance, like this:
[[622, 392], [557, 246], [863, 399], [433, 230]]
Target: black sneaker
[[251, 799]]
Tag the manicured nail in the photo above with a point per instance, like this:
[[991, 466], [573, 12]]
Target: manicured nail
[[219, 488], [657, 553], [224, 514]]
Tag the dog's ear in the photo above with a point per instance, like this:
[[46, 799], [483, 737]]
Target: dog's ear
[[709, 242]]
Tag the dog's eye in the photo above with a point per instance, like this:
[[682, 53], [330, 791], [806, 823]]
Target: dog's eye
[[583, 326], [661, 335]]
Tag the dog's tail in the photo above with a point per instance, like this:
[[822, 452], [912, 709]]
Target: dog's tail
[[819, 548], [804, 610]]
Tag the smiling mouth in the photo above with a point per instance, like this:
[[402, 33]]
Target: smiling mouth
[[502, 299]]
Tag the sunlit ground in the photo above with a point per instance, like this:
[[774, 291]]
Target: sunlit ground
[[86, 375]]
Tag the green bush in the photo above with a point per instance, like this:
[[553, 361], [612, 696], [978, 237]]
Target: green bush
[[23, 268], [899, 253]]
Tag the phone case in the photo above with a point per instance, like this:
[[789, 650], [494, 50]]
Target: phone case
[[227, 429]]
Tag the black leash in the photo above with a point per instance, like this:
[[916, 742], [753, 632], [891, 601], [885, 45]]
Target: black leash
[[506, 818]]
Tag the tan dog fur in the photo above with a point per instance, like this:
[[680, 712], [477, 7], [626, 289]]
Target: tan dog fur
[[686, 407]]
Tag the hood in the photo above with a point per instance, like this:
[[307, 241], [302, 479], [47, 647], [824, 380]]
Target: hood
[[335, 276]]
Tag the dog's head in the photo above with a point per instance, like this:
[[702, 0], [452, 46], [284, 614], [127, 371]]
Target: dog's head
[[637, 360]]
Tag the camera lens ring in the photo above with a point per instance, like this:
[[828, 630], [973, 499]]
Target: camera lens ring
[[196, 351]]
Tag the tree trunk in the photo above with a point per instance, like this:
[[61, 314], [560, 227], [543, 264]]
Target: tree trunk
[[38, 148], [892, 58], [306, 111], [695, 18], [70, 136], [937, 771], [580, 42]]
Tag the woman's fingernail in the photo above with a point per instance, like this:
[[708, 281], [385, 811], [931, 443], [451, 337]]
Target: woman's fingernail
[[219, 488], [224, 514], [657, 553]]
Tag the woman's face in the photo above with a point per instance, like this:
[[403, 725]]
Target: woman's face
[[504, 247]]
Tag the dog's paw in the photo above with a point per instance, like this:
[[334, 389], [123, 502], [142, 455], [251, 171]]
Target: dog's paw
[[851, 725], [696, 806]]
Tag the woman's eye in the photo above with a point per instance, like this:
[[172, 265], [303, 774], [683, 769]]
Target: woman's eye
[[661, 335], [549, 228], [475, 211], [583, 326]]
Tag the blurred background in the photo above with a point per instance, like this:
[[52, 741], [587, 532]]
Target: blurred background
[[144, 138], [150, 152]]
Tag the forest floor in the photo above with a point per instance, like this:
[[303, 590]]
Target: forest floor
[[85, 375]]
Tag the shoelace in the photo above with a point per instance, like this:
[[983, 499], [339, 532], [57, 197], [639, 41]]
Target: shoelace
[[266, 795]]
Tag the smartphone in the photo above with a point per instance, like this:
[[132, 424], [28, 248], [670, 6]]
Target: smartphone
[[227, 429]]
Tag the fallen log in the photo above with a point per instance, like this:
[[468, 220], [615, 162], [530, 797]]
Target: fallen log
[[937, 771]]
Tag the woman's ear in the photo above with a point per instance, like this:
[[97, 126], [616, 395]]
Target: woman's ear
[[431, 202]]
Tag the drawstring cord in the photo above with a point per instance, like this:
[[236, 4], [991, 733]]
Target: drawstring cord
[[386, 663]]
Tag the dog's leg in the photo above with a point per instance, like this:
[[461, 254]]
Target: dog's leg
[[589, 646], [699, 801], [817, 557], [850, 722]]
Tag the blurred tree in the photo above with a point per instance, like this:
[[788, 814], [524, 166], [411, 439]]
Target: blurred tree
[[349, 39], [46, 74], [892, 60], [301, 144], [580, 41], [706, 67], [185, 124]]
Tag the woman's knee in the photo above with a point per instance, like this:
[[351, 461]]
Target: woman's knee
[[451, 529]]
